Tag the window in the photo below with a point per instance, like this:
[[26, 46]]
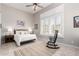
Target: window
[[49, 24]]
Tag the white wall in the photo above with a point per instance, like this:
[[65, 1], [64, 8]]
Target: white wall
[[71, 33], [0, 23], [0, 7], [37, 15], [11, 15], [0, 29]]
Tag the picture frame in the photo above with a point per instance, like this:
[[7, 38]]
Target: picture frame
[[36, 26], [20, 23], [76, 22]]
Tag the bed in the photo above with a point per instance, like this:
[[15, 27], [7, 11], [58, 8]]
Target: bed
[[21, 35]]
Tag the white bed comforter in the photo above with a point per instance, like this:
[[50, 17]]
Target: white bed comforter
[[20, 38]]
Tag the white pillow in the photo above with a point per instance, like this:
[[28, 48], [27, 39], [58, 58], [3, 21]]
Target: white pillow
[[18, 32], [22, 32], [25, 32]]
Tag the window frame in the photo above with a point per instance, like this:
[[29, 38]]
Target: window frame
[[54, 15]]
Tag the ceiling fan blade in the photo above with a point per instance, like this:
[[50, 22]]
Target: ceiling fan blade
[[40, 6], [28, 5]]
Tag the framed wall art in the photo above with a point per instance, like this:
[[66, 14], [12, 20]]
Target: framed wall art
[[36, 26], [20, 23], [76, 22]]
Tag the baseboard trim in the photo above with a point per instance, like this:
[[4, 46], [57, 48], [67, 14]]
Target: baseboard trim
[[68, 45]]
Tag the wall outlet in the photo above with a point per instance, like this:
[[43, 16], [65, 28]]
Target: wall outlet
[[72, 42]]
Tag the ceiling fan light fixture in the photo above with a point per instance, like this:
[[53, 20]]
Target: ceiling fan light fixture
[[35, 6]]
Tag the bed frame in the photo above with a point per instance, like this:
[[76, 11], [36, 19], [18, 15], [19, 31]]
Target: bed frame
[[22, 36]]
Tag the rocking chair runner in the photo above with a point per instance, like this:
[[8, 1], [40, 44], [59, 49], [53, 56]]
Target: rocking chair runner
[[52, 41]]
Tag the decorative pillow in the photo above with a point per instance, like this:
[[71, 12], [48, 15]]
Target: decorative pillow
[[18, 32], [22, 32], [25, 32]]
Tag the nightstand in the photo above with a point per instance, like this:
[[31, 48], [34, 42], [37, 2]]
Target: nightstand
[[9, 38]]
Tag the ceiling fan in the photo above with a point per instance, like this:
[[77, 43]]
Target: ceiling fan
[[35, 5]]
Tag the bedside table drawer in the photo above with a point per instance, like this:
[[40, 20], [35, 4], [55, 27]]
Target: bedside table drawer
[[9, 38]]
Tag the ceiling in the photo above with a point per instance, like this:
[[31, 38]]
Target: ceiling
[[21, 6]]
